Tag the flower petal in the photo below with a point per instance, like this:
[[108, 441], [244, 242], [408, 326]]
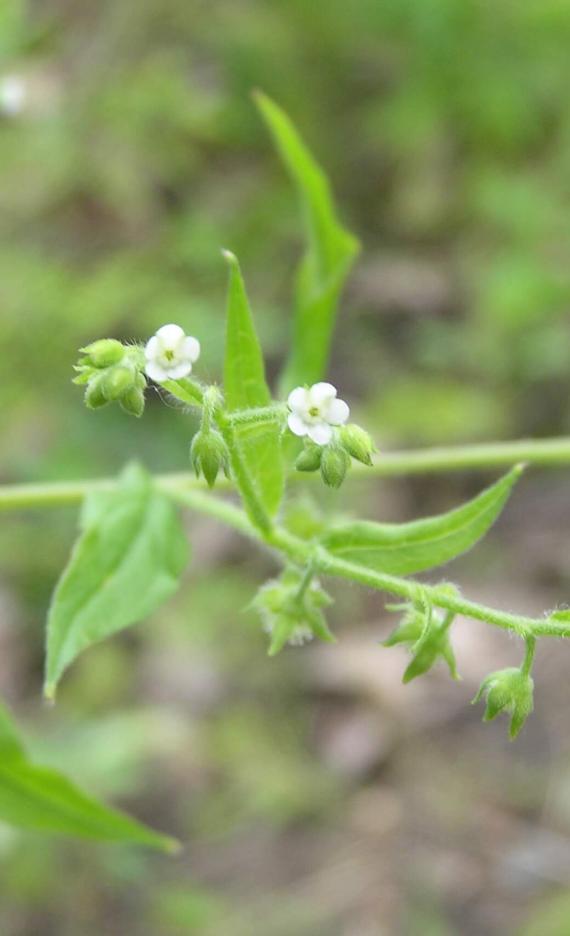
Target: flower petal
[[299, 400], [296, 424], [152, 348], [337, 412], [170, 336], [180, 370], [320, 433], [156, 372], [191, 349], [321, 392]]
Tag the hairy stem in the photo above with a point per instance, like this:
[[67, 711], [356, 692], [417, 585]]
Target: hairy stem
[[251, 500]]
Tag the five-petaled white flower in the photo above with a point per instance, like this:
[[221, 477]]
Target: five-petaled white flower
[[170, 354], [314, 412], [13, 93]]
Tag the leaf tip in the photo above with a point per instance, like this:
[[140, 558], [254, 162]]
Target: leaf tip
[[50, 689], [171, 846], [229, 257]]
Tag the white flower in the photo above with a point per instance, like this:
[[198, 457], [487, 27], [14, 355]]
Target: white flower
[[170, 354], [13, 93], [315, 411]]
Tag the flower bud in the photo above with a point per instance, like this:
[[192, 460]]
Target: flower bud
[[290, 612], [310, 458], [509, 690], [103, 353], [117, 381], [133, 401], [94, 396], [357, 442], [425, 632], [334, 465], [209, 453]]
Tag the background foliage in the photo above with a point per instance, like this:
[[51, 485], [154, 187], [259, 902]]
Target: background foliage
[[445, 127]]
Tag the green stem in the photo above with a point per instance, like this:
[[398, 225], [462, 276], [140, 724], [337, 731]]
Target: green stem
[[489, 455], [543, 452], [529, 656], [251, 500]]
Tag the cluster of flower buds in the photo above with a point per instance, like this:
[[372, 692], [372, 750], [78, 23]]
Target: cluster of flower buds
[[321, 418], [112, 371], [425, 632], [508, 690], [290, 608]]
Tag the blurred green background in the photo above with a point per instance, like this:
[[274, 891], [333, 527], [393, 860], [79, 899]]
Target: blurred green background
[[314, 794]]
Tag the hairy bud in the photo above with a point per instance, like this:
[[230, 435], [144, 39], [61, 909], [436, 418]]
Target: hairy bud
[[291, 610], [209, 454], [310, 458], [357, 442], [103, 353], [509, 690], [118, 381], [334, 465], [426, 632], [95, 397]]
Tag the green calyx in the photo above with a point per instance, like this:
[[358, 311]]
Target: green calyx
[[508, 690], [357, 443], [426, 632], [335, 463], [290, 608], [310, 457], [209, 455]]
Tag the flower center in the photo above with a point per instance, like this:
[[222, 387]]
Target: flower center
[[169, 355], [314, 411]]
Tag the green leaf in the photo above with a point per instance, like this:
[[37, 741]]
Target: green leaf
[[402, 549], [329, 256], [43, 800], [127, 561], [245, 387]]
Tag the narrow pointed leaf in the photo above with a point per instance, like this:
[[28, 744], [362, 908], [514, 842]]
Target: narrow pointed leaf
[[331, 250], [245, 387], [127, 561], [43, 800], [402, 549]]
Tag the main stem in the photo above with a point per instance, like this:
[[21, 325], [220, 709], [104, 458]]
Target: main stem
[[541, 452]]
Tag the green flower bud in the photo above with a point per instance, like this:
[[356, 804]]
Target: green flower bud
[[94, 395], [291, 612], [426, 633], [310, 458], [357, 442], [117, 381], [133, 401], [334, 465], [209, 453], [103, 353], [509, 690]]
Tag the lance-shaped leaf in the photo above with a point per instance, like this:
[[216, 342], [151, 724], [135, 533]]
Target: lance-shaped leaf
[[127, 561], [43, 800], [405, 548], [328, 258], [245, 387]]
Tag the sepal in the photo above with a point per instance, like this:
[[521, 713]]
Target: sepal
[[509, 690]]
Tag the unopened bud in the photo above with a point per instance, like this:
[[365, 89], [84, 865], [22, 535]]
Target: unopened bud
[[509, 690], [209, 453], [357, 442], [94, 395], [334, 465], [117, 381], [133, 401], [310, 458], [103, 353]]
